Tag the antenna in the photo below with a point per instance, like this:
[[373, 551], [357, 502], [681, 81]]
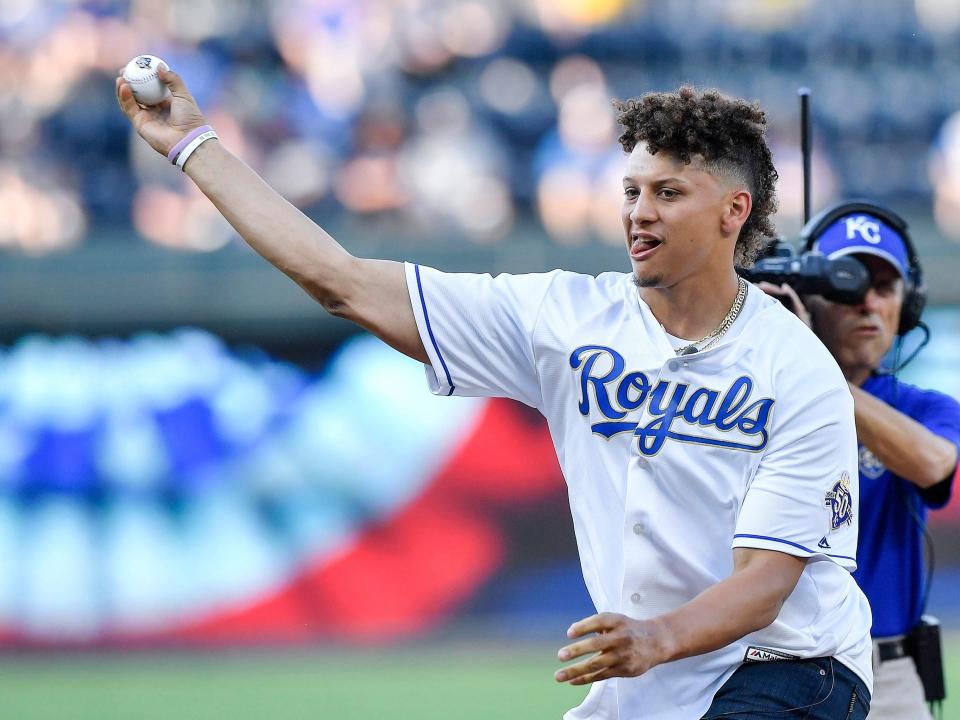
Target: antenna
[[804, 94]]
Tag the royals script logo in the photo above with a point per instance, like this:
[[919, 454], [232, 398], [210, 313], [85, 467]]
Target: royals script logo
[[677, 410]]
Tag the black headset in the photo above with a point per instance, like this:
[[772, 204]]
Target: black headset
[[915, 290]]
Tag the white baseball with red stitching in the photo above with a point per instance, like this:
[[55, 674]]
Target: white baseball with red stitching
[[141, 73]]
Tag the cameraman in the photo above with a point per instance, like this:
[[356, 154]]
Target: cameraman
[[908, 444]]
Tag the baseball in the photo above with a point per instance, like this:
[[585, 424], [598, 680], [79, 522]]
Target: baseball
[[141, 73]]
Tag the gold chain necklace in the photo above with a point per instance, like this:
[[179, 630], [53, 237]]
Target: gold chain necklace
[[724, 325]]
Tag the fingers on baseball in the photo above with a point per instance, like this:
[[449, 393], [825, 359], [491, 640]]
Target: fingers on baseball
[[126, 100], [173, 81]]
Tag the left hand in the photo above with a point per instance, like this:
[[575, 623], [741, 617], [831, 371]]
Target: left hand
[[624, 647]]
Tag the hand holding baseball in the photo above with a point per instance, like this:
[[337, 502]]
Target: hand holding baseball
[[162, 125]]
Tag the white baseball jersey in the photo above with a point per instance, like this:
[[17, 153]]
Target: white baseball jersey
[[670, 461]]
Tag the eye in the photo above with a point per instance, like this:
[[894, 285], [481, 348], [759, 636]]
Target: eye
[[630, 193], [885, 287], [668, 193]]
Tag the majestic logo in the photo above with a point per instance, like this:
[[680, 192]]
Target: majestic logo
[[870, 465], [840, 502], [763, 654], [144, 62], [864, 227], [605, 383]]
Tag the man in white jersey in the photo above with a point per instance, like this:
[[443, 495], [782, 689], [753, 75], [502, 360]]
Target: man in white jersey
[[706, 436]]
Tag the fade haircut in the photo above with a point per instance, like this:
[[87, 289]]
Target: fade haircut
[[725, 135]]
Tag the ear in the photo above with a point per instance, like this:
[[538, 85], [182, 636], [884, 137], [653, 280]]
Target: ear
[[739, 205]]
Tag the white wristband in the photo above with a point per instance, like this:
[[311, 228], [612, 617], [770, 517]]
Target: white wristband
[[194, 144]]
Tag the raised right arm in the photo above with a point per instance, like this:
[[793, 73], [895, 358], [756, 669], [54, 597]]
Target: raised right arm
[[371, 293]]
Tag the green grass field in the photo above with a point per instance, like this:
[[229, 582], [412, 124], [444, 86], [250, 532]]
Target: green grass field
[[433, 683]]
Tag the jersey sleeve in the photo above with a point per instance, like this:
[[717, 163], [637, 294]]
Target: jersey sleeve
[[478, 331], [804, 498]]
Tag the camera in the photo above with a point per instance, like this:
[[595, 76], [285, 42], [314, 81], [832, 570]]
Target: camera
[[842, 280]]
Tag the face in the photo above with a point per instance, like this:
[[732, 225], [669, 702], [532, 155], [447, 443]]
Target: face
[[679, 220], [858, 336]]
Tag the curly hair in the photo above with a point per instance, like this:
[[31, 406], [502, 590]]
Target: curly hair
[[727, 136]]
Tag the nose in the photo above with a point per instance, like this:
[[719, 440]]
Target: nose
[[643, 210], [871, 301]]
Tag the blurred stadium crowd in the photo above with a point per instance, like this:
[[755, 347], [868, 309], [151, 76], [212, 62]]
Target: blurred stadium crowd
[[456, 120]]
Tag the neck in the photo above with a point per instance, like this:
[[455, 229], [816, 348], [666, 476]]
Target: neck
[[692, 307]]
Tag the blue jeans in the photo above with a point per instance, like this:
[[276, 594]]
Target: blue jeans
[[814, 689]]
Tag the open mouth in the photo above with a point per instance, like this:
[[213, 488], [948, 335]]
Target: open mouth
[[643, 247]]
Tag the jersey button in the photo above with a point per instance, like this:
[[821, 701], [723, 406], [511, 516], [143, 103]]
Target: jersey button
[[673, 365], [642, 462], [636, 598], [640, 528]]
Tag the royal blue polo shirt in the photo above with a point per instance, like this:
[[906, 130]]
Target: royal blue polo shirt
[[890, 563]]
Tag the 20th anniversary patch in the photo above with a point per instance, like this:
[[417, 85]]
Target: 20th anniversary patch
[[840, 502]]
